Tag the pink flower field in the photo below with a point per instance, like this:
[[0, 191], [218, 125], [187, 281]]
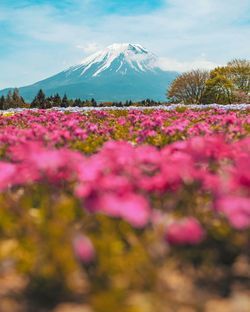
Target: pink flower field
[[124, 210]]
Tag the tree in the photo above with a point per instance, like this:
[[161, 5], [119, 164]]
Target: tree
[[65, 102], [49, 102], [93, 103], [39, 100], [219, 88], [57, 101], [2, 102], [189, 87], [8, 100], [239, 72], [230, 83], [13, 100], [241, 96], [17, 100], [77, 103]]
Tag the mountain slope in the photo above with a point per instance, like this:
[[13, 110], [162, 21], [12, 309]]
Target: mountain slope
[[118, 73]]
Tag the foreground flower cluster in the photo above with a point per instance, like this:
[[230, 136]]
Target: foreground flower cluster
[[91, 192]]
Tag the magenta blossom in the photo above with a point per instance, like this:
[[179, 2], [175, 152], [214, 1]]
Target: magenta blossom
[[83, 249], [236, 209], [186, 231], [7, 174], [131, 207]]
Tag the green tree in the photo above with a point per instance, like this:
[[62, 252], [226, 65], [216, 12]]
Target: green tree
[[77, 103], [39, 100], [13, 100], [57, 101], [219, 87], [65, 102], [93, 103], [2, 102], [230, 83], [8, 100], [49, 102], [17, 100]]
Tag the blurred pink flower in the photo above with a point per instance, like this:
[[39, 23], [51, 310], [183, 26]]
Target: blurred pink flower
[[186, 231], [131, 207], [83, 249], [237, 210], [135, 209], [7, 174]]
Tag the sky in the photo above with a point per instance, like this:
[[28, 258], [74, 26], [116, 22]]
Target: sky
[[39, 38]]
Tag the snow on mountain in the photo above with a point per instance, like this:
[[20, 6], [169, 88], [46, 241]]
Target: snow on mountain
[[132, 55], [119, 72]]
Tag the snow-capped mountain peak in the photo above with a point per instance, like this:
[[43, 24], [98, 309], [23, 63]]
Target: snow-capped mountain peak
[[120, 72], [119, 58]]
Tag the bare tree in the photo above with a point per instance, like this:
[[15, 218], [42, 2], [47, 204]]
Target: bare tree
[[189, 87], [239, 70]]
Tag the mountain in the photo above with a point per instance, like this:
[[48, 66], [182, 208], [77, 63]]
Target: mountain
[[118, 73]]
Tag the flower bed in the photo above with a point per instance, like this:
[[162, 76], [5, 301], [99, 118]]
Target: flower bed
[[100, 207]]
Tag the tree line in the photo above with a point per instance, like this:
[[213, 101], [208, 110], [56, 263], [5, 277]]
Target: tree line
[[12, 100], [15, 100], [222, 85]]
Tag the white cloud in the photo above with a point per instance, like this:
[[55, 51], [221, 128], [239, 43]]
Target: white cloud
[[42, 23], [89, 48], [175, 65], [46, 40]]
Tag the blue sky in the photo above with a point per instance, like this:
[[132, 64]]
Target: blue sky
[[38, 38]]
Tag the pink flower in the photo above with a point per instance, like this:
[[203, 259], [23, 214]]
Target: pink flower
[[135, 209], [83, 249], [187, 231], [116, 183], [242, 172], [131, 207], [7, 174], [236, 209], [91, 169]]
